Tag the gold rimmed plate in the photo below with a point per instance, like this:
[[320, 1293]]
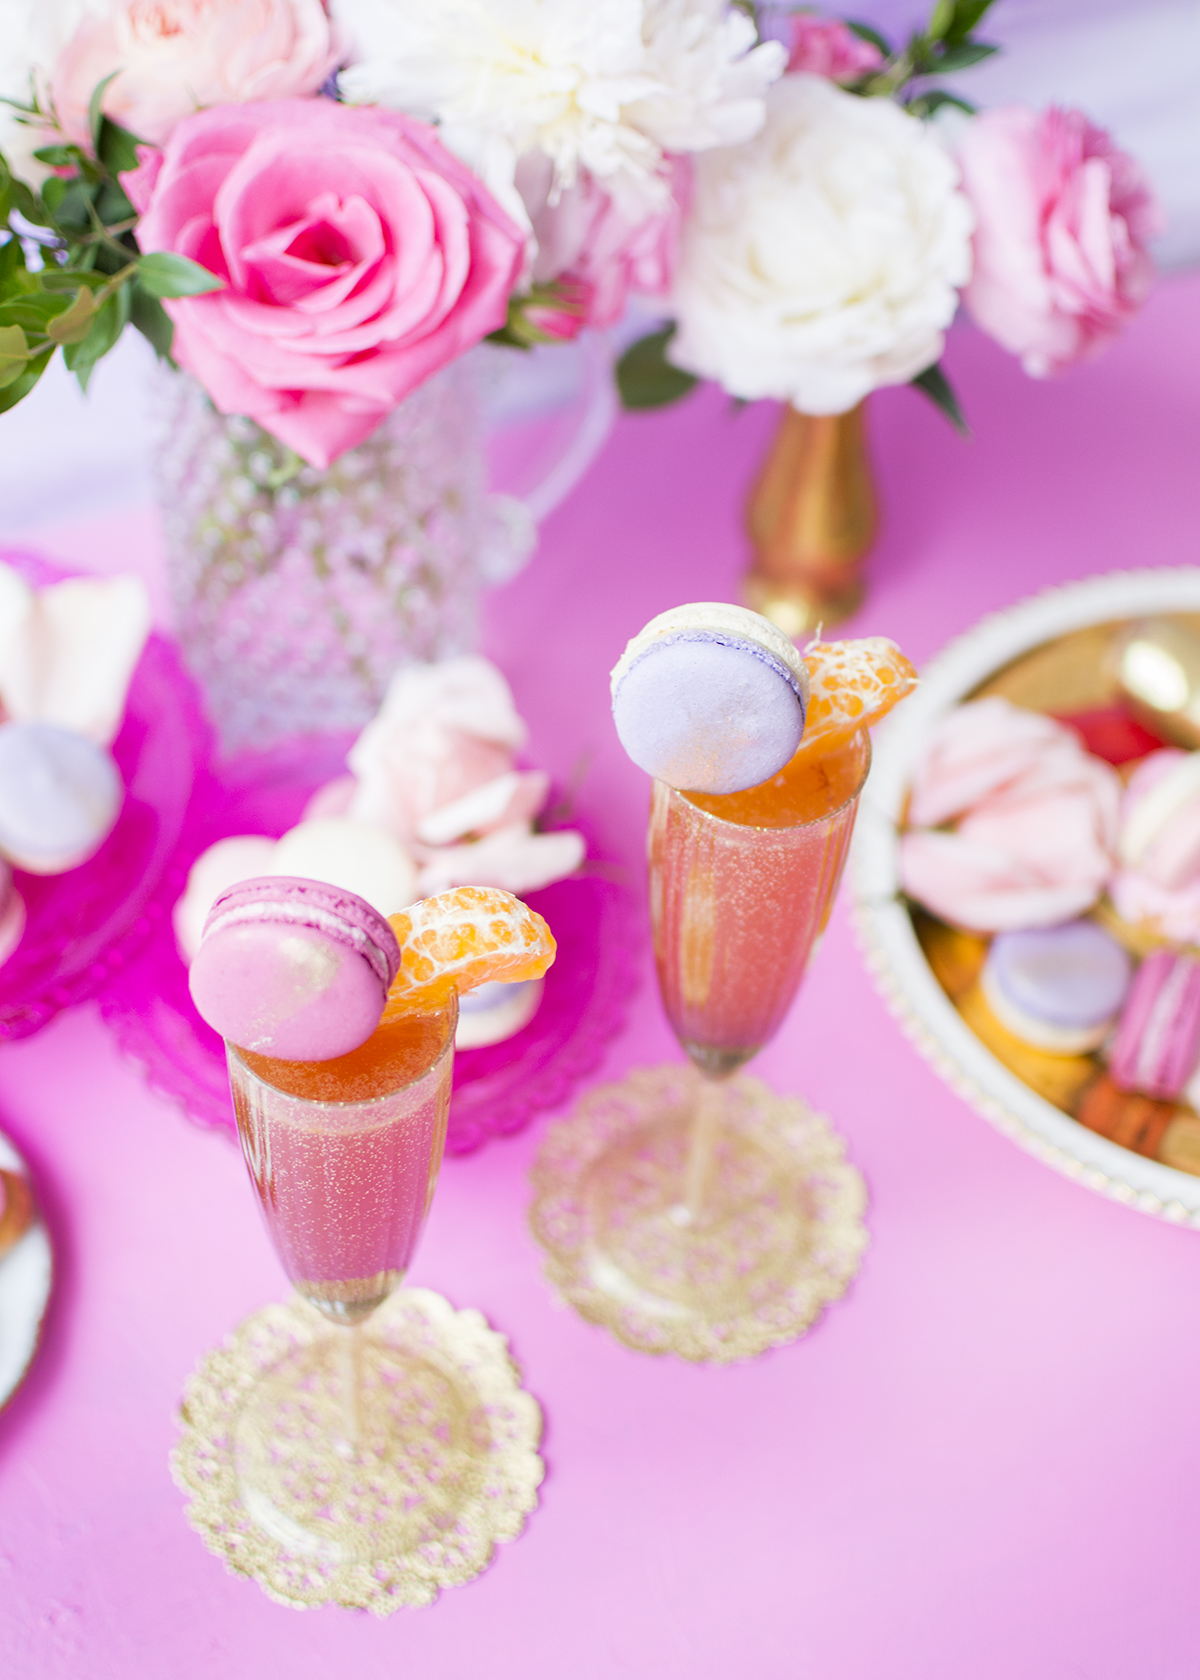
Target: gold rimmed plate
[[1047, 653]]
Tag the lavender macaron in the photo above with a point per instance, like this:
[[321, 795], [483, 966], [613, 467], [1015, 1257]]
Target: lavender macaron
[[60, 797], [1057, 988], [710, 698], [294, 969]]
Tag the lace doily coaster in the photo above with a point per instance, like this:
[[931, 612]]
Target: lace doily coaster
[[781, 1233], [444, 1464]]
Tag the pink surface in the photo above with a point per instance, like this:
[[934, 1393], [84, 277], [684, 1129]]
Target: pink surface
[[984, 1463]]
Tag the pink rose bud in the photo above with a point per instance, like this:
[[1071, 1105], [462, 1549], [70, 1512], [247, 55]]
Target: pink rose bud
[[825, 47]]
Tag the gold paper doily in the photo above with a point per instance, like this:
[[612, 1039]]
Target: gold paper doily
[[781, 1235], [445, 1466]]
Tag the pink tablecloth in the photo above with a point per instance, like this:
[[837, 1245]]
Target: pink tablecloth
[[984, 1463]]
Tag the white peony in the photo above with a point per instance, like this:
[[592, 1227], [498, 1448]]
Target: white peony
[[601, 86], [821, 259]]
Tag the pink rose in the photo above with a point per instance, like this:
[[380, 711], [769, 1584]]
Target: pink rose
[[358, 255], [603, 242], [1035, 821], [825, 47], [1063, 220], [173, 56]]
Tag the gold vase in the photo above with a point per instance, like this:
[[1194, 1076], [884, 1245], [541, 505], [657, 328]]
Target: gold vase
[[811, 518]]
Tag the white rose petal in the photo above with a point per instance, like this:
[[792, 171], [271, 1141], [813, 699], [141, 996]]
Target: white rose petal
[[822, 258]]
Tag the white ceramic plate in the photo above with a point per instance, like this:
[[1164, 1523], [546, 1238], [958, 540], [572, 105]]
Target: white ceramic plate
[[893, 952], [26, 1273]]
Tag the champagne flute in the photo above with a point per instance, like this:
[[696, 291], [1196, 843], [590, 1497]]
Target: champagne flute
[[741, 889], [696, 1212], [363, 1444], [343, 1156]]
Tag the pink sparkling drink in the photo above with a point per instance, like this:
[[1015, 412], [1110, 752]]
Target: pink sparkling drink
[[741, 885], [344, 1156]]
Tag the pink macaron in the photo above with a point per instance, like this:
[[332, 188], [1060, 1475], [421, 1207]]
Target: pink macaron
[[293, 968], [1158, 1041]]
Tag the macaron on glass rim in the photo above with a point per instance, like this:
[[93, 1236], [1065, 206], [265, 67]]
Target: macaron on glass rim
[[334, 915], [701, 745]]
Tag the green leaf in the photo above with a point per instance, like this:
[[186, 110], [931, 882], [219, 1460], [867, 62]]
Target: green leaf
[[112, 205], [866, 33], [14, 354], [28, 203], [646, 379], [166, 274], [12, 265], [53, 192], [75, 322], [59, 157], [107, 327], [96, 117], [941, 393], [962, 57], [967, 13], [12, 394], [31, 310], [117, 147], [941, 20], [925, 104], [152, 321]]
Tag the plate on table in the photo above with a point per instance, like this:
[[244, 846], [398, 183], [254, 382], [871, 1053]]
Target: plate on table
[[26, 1272], [1048, 654], [497, 1089], [83, 926]]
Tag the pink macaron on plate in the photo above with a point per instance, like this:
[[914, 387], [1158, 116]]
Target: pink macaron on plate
[[497, 1089], [84, 926]]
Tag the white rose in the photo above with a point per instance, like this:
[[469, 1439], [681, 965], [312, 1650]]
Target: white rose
[[822, 258]]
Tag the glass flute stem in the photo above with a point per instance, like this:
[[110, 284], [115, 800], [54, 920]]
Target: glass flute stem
[[351, 1358], [702, 1143]]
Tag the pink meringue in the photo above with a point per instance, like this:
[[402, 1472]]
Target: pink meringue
[[1036, 821], [1159, 846], [514, 858], [442, 731], [68, 652]]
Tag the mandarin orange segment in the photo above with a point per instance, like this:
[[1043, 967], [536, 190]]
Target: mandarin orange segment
[[854, 684], [461, 939]]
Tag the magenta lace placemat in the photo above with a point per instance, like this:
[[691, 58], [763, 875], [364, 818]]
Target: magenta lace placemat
[[85, 926], [498, 1089]]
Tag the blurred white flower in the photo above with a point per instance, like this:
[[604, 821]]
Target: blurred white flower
[[597, 85], [33, 33], [821, 259]]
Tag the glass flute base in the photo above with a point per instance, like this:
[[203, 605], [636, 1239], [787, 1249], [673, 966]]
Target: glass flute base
[[716, 1266], [368, 1467]]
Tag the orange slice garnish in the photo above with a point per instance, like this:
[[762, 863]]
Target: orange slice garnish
[[854, 684], [461, 939]]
